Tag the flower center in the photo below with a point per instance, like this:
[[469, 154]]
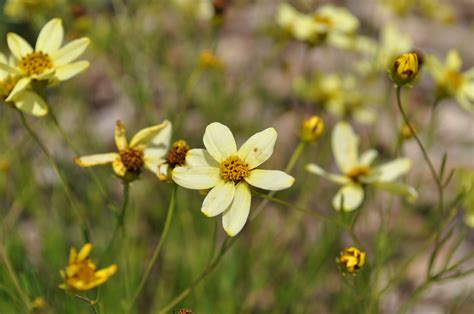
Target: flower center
[[455, 79], [35, 63], [358, 171], [322, 19], [7, 85], [234, 169], [177, 155], [132, 159], [85, 272]]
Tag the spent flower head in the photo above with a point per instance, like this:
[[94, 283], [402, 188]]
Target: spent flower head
[[176, 158], [229, 171], [48, 61], [351, 260], [147, 149], [358, 172], [81, 273]]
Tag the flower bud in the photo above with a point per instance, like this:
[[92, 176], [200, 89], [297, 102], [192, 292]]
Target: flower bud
[[405, 68], [351, 260], [311, 129], [405, 131]]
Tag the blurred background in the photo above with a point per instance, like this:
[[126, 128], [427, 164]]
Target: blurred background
[[194, 62]]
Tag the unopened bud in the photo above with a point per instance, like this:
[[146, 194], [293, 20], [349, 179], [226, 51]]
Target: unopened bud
[[311, 129]]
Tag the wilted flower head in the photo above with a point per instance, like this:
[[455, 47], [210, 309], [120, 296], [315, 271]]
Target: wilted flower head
[[351, 260], [48, 61], [81, 273], [406, 68], [146, 149], [228, 172], [358, 172], [311, 129], [450, 81], [176, 158]]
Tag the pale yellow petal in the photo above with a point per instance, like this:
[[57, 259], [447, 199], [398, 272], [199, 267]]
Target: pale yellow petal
[[70, 52], [84, 252], [315, 169], [67, 71], [10, 69], [200, 158], [273, 180], [235, 217], [398, 188], [453, 60], [153, 159], [119, 136], [51, 36], [219, 141], [119, 168], [150, 136], [94, 160], [368, 157], [18, 46], [196, 178], [344, 146], [349, 197], [20, 86], [218, 199], [392, 170], [160, 143], [31, 103], [258, 148]]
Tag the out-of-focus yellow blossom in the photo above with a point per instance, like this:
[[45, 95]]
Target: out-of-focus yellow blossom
[[201, 9], [380, 55], [228, 172], [38, 303], [208, 60], [26, 100], [450, 81], [147, 149], [81, 273], [405, 68], [358, 172], [23, 9], [340, 95], [176, 158], [328, 24], [433, 9], [4, 164], [466, 185], [311, 129], [351, 260], [48, 61], [405, 131]]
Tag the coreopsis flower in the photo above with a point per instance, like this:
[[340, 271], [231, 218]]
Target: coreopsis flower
[[358, 172], [81, 273], [340, 95], [228, 172], [328, 24], [450, 81], [351, 260], [176, 158], [146, 149], [208, 60], [405, 68], [311, 129], [48, 60], [26, 100]]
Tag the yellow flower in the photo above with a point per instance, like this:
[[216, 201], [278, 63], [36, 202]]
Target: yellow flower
[[209, 60], [201, 9], [38, 303], [147, 149], [340, 95], [405, 68], [81, 273], [228, 173], [351, 260], [24, 9], [26, 100], [311, 129], [329, 24], [176, 158], [450, 81], [48, 61], [358, 172]]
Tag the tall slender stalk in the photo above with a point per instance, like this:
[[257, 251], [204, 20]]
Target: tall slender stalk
[[156, 253]]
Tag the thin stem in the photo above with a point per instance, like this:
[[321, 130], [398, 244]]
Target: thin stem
[[294, 157], [55, 166], [92, 303], [156, 253], [11, 272], [407, 304]]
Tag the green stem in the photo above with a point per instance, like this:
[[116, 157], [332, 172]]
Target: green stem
[[55, 166], [156, 253], [414, 296], [92, 303], [295, 156], [16, 282]]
